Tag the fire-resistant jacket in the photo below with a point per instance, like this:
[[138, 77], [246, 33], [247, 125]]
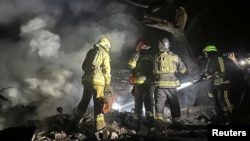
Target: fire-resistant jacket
[[141, 65], [97, 67], [166, 65], [222, 69]]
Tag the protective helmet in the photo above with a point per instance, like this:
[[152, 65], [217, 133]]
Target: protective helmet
[[104, 43], [141, 45], [210, 48], [164, 44]]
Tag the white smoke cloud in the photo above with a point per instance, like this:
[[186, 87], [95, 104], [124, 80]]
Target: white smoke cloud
[[117, 39], [16, 97], [54, 86], [45, 43], [44, 66], [33, 25]]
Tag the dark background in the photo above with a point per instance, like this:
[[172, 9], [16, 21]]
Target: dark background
[[223, 23]]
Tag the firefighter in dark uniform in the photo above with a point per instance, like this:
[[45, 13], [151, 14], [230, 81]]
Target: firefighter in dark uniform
[[225, 75], [96, 81], [141, 66], [166, 65]]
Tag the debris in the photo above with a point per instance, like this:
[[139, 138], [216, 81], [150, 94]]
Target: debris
[[60, 127]]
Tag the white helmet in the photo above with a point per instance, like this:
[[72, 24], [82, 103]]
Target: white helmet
[[164, 44]]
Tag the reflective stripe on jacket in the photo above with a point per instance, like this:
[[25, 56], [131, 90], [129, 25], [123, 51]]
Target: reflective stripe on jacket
[[141, 65], [166, 65], [216, 67], [133, 60]]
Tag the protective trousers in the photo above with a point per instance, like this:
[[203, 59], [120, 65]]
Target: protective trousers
[[163, 95], [223, 100], [144, 95], [97, 91]]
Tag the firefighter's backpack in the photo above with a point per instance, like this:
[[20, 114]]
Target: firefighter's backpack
[[165, 63], [93, 60]]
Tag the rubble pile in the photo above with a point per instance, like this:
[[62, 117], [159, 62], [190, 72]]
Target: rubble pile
[[60, 127], [119, 127]]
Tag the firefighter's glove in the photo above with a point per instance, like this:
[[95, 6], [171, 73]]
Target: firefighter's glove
[[131, 80], [201, 78], [198, 79], [107, 89]]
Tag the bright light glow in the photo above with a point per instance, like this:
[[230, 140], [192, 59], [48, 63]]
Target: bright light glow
[[119, 107], [184, 85], [116, 106], [128, 104], [242, 62]]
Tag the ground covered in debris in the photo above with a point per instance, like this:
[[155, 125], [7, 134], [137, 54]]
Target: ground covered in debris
[[60, 128]]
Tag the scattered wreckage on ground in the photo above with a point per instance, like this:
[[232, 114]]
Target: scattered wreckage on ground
[[60, 127]]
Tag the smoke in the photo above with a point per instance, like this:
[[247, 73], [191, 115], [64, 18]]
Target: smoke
[[44, 66], [7, 11], [46, 44], [12, 9], [33, 25]]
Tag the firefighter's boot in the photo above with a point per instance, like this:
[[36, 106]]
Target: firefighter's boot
[[135, 123], [159, 127], [100, 122], [151, 121], [177, 121]]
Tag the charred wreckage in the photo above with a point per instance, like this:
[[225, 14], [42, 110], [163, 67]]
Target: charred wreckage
[[60, 127], [119, 127]]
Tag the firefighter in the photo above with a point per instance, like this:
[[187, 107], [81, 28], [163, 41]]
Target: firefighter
[[224, 75], [141, 66], [166, 65], [96, 82]]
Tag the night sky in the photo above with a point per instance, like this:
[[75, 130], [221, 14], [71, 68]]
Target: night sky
[[224, 23]]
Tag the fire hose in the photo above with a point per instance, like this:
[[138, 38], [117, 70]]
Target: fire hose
[[198, 79]]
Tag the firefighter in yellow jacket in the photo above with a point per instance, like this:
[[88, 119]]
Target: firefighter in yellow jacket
[[166, 65], [96, 81]]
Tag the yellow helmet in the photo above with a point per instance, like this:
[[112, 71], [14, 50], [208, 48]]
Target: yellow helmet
[[104, 43]]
